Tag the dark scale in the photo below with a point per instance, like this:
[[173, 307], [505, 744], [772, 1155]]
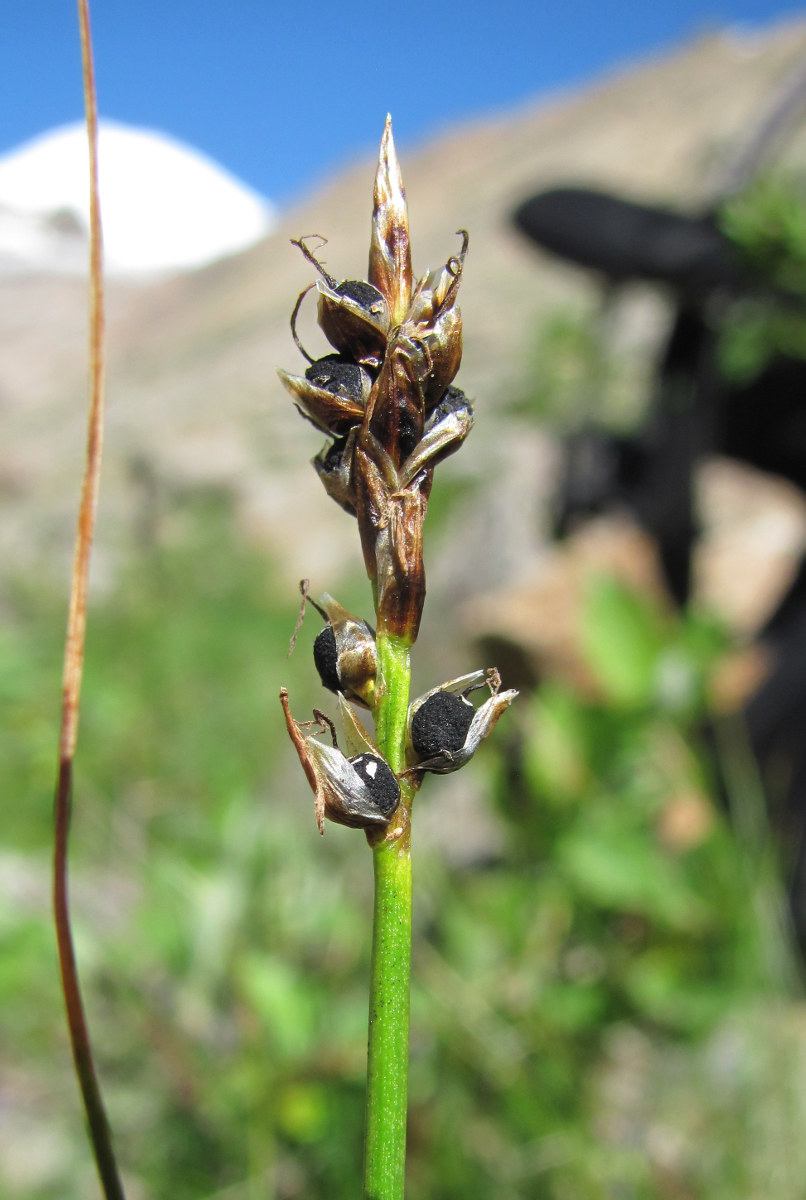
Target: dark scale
[[336, 376], [326, 658], [363, 293], [380, 780], [440, 725]]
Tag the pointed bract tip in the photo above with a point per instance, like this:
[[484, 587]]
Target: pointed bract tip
[[390, 253], [389, 178]]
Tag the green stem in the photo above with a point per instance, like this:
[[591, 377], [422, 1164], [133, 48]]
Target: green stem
[[388, 1052], [391, 714], [388, 1056]]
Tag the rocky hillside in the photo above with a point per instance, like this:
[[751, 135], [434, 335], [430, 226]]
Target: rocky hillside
[[193, 396]]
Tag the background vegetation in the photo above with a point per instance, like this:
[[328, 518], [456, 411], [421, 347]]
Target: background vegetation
[[606, 1000]]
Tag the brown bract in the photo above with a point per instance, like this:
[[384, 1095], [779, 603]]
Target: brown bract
[[328, 411], [358, 330]]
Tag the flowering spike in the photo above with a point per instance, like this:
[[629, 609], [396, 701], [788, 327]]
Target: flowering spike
[[386, 397], [344, 651], [390, 251], [354, 324], [334, 466], [361, 791], [445, 730], [330, 411], [446, 428]]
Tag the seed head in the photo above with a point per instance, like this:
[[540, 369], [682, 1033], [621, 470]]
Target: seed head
[[385, 396], [344, 652], [361, 791], [445, 730]]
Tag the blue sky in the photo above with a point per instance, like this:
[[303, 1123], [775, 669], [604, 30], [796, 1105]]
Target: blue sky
[[281, 94]]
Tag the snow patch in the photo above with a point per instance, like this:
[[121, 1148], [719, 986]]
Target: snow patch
[[164, 206]]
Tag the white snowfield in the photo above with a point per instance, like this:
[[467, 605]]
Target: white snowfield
[[164, 206]]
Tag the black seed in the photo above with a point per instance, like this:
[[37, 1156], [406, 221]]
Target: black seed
[[453, 400], [380, 780], [326, 658], [441, 724], [331, 460], [338, 377], [333, 466], [363, 293]]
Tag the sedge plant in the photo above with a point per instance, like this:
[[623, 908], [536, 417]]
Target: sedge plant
[[386, 401]]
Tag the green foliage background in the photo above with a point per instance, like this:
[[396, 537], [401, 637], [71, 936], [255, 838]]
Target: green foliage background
[[600, 1009], [764, 221], [607, 1004]]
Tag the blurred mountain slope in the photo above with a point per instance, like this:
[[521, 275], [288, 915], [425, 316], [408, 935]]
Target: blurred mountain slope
[[193, 396]]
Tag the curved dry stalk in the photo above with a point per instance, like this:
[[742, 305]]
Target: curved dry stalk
[[74, 656]]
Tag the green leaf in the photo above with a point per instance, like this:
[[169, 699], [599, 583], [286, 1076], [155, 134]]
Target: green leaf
[[622, 639], [624, 870]]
